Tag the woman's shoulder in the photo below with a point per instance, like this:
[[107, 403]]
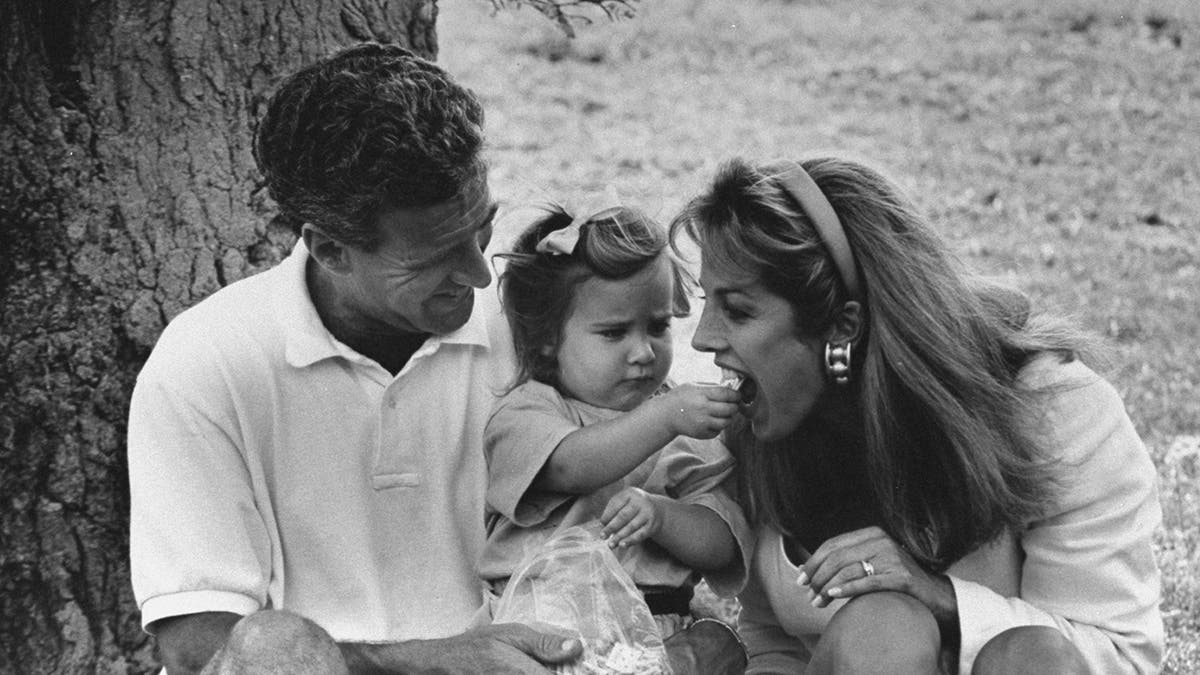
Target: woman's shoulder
[[1082, 415], [1056, 371]]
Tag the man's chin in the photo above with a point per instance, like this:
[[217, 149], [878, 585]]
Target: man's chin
[[451, 319]]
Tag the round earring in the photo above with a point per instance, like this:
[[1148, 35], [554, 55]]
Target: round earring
[[837, 362]]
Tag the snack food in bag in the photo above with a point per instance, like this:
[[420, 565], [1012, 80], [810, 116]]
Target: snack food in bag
[[575, 584]]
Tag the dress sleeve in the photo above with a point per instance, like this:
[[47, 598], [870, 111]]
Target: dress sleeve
[[771, 650], [523, 431], [699, 472], [1089, 568], [197, 540]]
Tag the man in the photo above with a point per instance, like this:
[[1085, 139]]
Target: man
[[306, 470]]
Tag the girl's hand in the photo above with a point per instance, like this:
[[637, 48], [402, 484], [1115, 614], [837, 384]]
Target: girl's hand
[[631, 517], [868, 560], [699, 410]]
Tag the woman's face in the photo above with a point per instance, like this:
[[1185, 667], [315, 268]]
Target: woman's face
[[752, 331]]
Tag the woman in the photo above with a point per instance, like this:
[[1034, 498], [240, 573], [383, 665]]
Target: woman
[[937, 482]]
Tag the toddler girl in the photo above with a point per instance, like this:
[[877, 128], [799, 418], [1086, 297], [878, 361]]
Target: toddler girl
[[591, 432]]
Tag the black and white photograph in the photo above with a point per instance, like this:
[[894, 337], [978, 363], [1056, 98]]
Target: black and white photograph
[[600, 337]]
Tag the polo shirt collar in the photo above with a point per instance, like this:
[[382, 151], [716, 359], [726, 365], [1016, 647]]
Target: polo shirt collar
[[307, 339]]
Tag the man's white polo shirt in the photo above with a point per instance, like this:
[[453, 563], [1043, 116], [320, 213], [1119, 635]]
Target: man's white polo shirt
[[272, 466]]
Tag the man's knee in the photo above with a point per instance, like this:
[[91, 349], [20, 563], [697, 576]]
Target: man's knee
[[880, 633], [1029, 649], [277, 641]]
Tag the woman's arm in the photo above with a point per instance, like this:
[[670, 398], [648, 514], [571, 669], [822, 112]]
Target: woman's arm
[[1089, 569]]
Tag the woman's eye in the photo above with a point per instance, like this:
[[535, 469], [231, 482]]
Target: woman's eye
[[613, 334], [736, 314]]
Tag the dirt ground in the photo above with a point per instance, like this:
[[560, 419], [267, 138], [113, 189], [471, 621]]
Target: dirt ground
[[1055, 143]]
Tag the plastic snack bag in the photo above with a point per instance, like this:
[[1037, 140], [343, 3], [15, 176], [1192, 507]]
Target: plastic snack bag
[[574, 583]]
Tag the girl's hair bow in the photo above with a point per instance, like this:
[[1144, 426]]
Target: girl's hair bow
[[564, 241]]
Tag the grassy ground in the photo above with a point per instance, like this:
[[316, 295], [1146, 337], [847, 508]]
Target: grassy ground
[[1056, 143]]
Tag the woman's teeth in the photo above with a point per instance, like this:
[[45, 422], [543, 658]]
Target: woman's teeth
[[731, 378]]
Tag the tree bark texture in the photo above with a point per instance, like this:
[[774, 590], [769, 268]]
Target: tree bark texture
[[127, 194]]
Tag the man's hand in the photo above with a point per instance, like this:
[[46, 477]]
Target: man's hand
[[505, 648], [274, 641]]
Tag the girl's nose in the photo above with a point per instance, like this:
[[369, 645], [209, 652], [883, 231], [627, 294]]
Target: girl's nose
[[642, 352]]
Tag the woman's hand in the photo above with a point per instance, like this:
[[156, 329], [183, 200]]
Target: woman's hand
[[868, 560]]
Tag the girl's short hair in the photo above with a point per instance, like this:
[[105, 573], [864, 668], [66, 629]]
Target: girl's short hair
[[537, 289], [943, 428]]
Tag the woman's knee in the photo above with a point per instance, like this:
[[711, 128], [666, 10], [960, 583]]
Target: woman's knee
[[880, 633], [278, 641], [1029, 649]]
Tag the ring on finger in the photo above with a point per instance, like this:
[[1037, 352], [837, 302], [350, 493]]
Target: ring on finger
[[868, 568]]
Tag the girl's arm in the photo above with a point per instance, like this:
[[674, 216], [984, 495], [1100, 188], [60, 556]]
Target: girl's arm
[[694, 535], [596, 455]]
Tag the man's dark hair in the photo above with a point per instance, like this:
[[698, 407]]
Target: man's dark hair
[[370, 128]]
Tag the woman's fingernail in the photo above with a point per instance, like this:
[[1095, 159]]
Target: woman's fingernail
[[568, 645], [803, 578], [816, 601], [834, 592]]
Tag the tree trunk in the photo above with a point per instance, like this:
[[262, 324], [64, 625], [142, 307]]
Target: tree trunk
[[127, 193]]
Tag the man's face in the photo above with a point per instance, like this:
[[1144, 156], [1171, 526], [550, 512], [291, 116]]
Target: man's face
[[421, 278]]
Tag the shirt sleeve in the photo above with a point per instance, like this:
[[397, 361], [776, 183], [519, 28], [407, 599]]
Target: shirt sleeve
[[771, 650], [1089, 569], [197, 540], [700, 472], [523, 431]]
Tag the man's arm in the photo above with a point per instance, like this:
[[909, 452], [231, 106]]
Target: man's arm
[[498, 648], [187, 643], [285, 642]]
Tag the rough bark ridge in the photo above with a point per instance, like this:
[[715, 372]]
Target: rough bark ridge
[[127, 193]]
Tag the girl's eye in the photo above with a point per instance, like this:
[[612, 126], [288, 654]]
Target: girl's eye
[[658, 328]]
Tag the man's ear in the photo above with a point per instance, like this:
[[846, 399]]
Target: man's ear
[[847, 325], [329, 253]]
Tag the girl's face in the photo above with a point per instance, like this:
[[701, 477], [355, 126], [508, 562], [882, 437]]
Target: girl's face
[[616, 343], [752, 331]]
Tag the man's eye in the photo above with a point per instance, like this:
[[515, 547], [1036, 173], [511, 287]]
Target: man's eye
[[484, 238]]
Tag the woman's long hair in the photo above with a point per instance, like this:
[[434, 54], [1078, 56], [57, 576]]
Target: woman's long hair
[[947, 436]]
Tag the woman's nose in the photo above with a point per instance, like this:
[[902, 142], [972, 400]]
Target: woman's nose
[[707, 337]]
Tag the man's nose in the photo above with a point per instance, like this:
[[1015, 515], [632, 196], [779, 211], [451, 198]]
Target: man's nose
[[472, 269]]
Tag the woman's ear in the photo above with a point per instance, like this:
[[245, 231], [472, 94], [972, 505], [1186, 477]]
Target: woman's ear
[[329, 253], [847, 325]]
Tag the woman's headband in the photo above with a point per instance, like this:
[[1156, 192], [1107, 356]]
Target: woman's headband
[[796, 182]]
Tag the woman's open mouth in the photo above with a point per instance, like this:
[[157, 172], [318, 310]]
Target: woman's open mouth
[[743, 384]]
